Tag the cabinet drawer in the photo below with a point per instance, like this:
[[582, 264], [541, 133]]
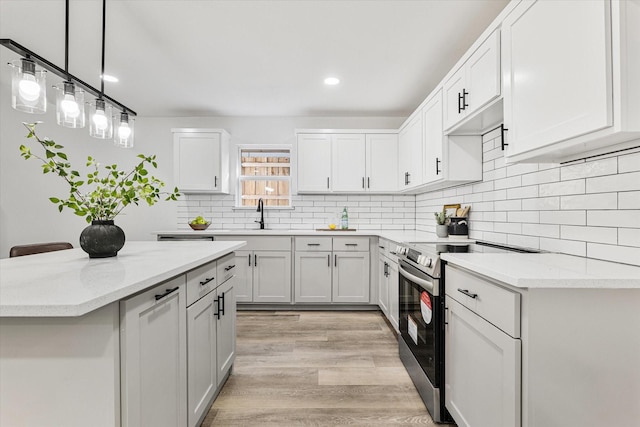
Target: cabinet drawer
[[226, 268], [260, 243], [201, 281], [496, 304], [351, 244], [313, 244]]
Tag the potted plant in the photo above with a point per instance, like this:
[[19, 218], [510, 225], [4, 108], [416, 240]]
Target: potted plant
[[101, 196], [442, 220]]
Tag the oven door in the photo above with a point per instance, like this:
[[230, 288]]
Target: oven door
[[419, 314]]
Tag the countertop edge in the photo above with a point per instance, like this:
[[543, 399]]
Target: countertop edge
[[77, 310]]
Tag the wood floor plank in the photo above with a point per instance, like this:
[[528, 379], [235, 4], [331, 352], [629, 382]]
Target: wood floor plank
[[316, 368]]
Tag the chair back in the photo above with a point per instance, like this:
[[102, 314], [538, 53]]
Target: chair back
[[38, 248]]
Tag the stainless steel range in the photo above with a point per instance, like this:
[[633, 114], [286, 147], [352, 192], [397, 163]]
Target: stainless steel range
[[421, 340], [422, 319]]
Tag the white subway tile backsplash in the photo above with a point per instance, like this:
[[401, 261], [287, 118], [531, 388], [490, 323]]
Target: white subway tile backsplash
[[521, 168], [590, 234], [522, 192], [622, 218], [629, 200], [590, 201], [532, 217], [589, 169], [629, 163], [505, 205], [523, 241], [541, 204], [620, 182], [625, 254], [629, 237], [565, 246], [578, 217], [541, 230], [511, 182], [541, 177], [562, 188]]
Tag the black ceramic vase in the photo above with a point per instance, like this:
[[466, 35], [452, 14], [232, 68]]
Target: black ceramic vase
[[102, 239]]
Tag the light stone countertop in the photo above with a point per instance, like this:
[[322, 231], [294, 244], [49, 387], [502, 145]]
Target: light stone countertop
[[397, 236], [68, 283], [548, 270]]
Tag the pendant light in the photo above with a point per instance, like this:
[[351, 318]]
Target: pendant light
[[69, 98], [101, 124], [28, 92], [124, 135]]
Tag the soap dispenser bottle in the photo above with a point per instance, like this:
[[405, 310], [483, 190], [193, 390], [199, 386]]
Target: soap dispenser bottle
[[344, 222]]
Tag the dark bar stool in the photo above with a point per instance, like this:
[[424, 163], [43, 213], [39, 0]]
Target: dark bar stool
[[38, 248]]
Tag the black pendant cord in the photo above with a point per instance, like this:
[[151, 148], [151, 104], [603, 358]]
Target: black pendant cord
[[66, 40], [104, 24]]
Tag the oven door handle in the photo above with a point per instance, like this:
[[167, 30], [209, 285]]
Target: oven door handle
[[427, 285]]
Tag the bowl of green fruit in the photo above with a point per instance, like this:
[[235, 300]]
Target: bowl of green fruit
[[199, 223]]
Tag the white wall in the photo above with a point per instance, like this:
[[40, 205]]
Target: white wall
[[587, 208]]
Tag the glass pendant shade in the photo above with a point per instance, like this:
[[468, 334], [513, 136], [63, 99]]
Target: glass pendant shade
[[123, 135], [70, 105], [28, 91], [101, 119]]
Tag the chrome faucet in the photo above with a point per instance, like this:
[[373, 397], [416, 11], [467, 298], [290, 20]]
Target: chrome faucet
[[261, 210]]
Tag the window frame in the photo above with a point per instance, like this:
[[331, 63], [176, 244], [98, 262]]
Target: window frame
[[240, 180]]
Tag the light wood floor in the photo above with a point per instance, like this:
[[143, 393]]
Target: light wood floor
[[317, 369]]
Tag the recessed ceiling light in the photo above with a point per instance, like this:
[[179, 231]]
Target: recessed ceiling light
[[108, 78], [331, 81]]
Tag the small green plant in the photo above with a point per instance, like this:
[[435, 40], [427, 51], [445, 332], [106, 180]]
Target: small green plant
[[441, 217], [111, 190]]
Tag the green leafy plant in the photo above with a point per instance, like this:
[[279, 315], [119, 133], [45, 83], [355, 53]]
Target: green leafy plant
[[441, 217], [111, 190]]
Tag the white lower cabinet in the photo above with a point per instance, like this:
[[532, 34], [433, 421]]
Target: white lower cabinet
[[174, 357], [154, 356], [482, 361], [388, 292], [263, 269], [313, 276], [202, 361], [226, 328], [383, 285], [482, 371], [350, 277], [332, 270]]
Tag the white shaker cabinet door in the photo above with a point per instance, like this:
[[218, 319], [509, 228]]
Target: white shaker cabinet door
[[226, 327], [244, 276], [313, 277], [202, 366], [348, 163], [201, 161], [482, 371], [410, 154], [433, 139], [154, 356], [382, 162], [483, 74], [557, 68], [394, 297], [350, 277], [383, 285], [272, 276], [314, 163]]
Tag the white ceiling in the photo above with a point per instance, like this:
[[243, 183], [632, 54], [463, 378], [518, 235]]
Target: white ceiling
[[257, 57]]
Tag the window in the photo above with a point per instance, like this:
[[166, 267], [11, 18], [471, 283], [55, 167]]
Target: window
[[264, 174]]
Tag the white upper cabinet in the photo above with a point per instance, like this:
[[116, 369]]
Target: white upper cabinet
[[201, 160], [411, 156], [448, 159], [352, 162], [314, 163], [474, 85], [348, 165], [571, 86], [433, 138], [382, 162]]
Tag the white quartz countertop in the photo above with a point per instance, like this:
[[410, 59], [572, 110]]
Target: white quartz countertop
[[397, 236], [547, 270], [68, 283]]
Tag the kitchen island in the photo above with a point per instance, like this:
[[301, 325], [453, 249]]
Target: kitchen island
[[63, 343]]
